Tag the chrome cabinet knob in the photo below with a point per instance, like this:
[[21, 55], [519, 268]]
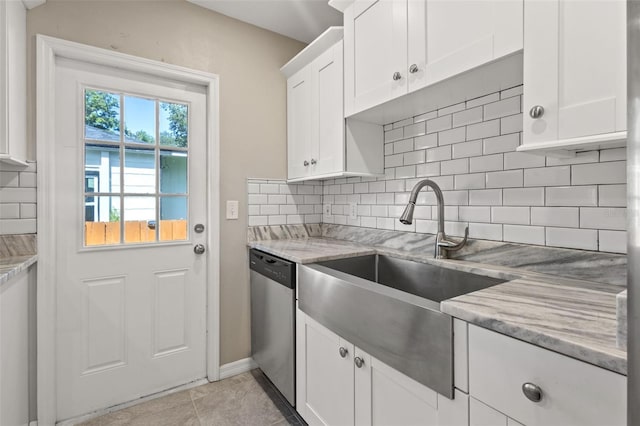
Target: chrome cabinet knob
[[396, 76], [413, 68], [199, 249], [305, 163], [359, 361], [532, 392], [536, 112], [313, 161], [343, 352]]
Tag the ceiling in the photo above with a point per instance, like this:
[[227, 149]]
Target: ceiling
[[301, 20]]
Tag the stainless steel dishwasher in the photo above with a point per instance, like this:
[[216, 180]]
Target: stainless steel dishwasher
[[273, 319]]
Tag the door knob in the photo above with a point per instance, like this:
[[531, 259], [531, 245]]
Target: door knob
[[413, 68], [199, 249], [305, 163], [313, 161], [396, 76], [359, 361], [343, 351], [536, 112]]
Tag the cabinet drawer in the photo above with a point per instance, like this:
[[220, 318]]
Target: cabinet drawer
[[573, 392]]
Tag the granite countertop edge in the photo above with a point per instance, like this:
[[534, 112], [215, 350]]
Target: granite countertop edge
[[602, 355], [12, 266]]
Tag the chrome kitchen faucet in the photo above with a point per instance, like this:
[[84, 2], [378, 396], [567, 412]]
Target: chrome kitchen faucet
[[443, 245]]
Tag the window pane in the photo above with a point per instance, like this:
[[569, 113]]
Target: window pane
[[139, 219], [102, 220], [139, 171], [173, 218], [101, 115], [173, 124], [139, 120], [101, 168], [173, 172]]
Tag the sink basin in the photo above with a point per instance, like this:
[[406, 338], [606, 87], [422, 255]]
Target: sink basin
[[390, 308], [421, 279]]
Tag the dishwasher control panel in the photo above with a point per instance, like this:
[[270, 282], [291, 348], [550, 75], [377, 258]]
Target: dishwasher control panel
[[278, 269]]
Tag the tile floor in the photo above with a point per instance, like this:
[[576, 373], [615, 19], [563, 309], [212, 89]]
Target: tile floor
[[246, 399]]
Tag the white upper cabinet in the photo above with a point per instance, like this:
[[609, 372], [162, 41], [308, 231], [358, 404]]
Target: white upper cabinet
[[319, 143], [394, 47], [574, 74], [450, 37], [13, 82]]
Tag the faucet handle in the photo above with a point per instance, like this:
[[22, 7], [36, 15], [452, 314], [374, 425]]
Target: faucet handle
[[452, 245]]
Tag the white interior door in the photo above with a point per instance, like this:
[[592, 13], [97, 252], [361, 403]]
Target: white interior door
[[130, 187]]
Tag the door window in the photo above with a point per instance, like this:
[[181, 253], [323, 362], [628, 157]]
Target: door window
[[136, 153]]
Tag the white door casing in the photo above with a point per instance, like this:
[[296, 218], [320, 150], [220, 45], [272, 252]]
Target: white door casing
[[130, 289]]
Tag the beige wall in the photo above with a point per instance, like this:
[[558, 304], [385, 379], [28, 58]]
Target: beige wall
[[252, 105]]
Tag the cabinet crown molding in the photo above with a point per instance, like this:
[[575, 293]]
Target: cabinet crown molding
[[324, 41]]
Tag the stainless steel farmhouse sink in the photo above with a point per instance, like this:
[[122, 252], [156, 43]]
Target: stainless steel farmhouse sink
[[390, 308]]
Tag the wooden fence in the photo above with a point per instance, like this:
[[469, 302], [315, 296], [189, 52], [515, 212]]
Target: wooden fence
[[135, 231]]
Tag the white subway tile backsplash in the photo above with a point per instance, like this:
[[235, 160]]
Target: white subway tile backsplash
[[426, 141], [510, 215], [439, 124], [469, 116], [504, 143], [9, 211], [585, 239], [27, 211], [524, 234], [486, 163], [267, 209], [506, 179], [555, 216], [448, 137], [612, 241], [454, 167], [523, 196], [439, 154], [485, 231], [548, 176], [276, 199], [612, 195], [572, 196], [486, 129], [28, 180], [269, 188], [469, 150], [614, 218], [502, 108], [599, 173], [9, 179], [522, 160]]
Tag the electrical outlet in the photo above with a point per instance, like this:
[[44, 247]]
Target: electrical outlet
[[326, 210], [353, 210], [232, 209]]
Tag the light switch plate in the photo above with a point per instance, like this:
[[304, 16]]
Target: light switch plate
[[232, 209]]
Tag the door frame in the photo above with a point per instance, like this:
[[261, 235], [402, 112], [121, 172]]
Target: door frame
[[47, 50]]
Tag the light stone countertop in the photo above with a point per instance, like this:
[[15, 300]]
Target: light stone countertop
[[12, 266], [574, 317]]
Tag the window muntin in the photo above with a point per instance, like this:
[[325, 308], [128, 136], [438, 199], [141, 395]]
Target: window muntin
[[146, 200]]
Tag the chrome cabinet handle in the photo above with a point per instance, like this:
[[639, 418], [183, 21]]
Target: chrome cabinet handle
[[306, 163], [199, 249], [396, 76], [536, 112], [313, 161], [532, 392], [343, 352], [359, 361], [413, 68]]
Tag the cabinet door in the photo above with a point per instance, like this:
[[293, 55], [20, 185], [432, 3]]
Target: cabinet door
[[385, 396], [449, 37], [324, 378], [575, 68], [375, 42], [327, 146], [299, 89]]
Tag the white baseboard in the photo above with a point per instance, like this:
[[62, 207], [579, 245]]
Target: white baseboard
[[33, 423], [237, 367]]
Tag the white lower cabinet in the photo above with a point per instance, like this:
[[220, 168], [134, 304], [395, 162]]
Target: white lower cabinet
[[562, 391], [333, 390]]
